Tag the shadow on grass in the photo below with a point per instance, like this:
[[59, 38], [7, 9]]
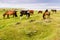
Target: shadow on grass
[[2, 26]]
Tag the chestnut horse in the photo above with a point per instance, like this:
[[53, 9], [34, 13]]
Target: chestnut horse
[[10, 12], [46, 13], [39, 11], [31, 11]]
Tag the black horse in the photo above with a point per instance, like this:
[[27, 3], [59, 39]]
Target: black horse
[[25, 12], [54, 10]]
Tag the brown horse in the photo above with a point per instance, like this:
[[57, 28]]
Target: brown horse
[[39, 11], [31, 11], [10, 12], [46, 13]]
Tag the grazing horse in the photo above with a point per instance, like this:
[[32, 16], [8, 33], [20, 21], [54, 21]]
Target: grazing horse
[[39, 11], [10, 12], [25, 12], [54, 10], [31, 11], [46, 13]]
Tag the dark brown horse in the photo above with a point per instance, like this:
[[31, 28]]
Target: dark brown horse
[[25, 12], [10, 12], [39, 11], [46, 13], [54, 10]]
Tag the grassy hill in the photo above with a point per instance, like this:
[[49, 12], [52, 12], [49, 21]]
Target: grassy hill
[[26, 29]]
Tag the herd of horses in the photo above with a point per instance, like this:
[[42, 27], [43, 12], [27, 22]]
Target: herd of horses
[[27, 13]]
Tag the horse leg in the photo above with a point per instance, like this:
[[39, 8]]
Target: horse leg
[[28, 15], [55, 11], [7, 15], [49, 15], [16, 16], [21, 16], [13, 16]]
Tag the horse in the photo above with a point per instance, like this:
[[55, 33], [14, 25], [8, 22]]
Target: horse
[[25, 12], [39, 11], [31, 11], [46, 13], [10, 12], [54, 10]]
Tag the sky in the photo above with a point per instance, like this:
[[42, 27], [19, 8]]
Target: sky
[[30, 4]]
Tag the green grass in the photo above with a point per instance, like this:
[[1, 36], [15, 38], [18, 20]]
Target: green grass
[[26, 30]]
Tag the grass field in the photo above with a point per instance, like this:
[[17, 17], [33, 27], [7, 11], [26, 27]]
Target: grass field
[[24, 29]]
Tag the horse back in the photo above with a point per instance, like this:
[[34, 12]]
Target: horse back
[[9, 12], [31, 11], [23, 12]]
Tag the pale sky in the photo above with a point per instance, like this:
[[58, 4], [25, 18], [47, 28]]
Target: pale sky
[[30, 4]]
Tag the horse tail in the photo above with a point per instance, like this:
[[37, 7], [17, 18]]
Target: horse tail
[[28, 14], [55, 10], [21, 13], [15, 14]]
